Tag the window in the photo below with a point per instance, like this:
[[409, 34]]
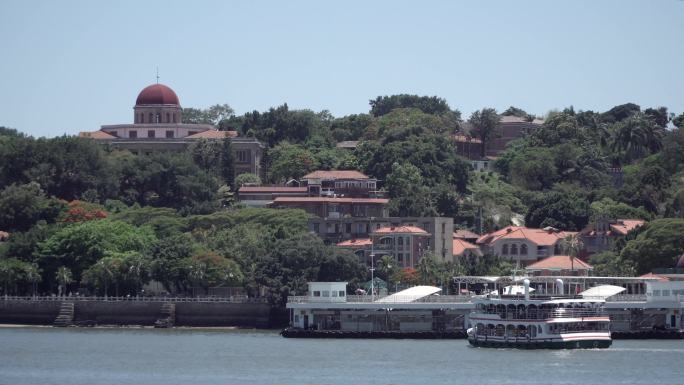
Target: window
[[666, 293], [523, 249], [168, 118], [169, 134], [316, 293], [158, 118], [400, 241], [174, 118], [504, 249], [113, 133], [242, 156], [133, 134], [150, 133], [514, 249], [400, 257], [443, 228], [326, 293], [142, 118], [151, 120], [334, 293], [342, 293], [316, 228], [190, 133], [348, 228]]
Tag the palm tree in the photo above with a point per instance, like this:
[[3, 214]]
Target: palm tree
[[64, 278], [637, 136], [485, 122], [32, 274], [572, 245], [386, 265], [426, 268]]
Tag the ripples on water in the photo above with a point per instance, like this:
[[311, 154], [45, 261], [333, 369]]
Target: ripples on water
[[147, 356]]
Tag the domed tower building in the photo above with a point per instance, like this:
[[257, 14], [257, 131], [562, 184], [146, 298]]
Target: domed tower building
[[157, 126]]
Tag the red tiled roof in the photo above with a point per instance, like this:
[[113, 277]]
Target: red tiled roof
[[329, 200], [335, 174], [624, 226], [460, 246], [157, 94], [656, 276], [465, 234], [96, 135], [400, 230], [213, 134], [271, 189], [354, 243], [540, 237], [559, 262]]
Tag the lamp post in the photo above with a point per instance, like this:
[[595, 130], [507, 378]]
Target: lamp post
[[372, 270]]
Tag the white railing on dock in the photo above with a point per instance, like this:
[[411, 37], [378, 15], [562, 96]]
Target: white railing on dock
[[397, 299], [232, 299]]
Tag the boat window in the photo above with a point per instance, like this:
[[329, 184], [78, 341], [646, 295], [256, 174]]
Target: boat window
[[326, 293], [316, 293], [342, 293]]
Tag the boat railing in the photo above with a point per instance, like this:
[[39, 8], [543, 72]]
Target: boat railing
[[550, 314], [383, 298], [627, 298]]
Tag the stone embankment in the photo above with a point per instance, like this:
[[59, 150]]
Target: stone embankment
[[160, 312]]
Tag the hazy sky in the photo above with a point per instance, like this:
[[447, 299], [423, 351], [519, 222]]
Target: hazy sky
[[69, 66]]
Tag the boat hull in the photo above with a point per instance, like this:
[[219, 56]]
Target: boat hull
[[542, 344]]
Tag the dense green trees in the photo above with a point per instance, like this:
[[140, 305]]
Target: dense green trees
[[484, 122], [659, 244]]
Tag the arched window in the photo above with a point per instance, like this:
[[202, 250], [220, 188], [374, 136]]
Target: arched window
[[504, 249], [151, 118], [168, 118], [174, 118], [158, 118], [523, 249], [514, 249]]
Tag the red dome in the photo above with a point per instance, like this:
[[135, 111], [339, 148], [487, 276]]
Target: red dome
[[157, 94]]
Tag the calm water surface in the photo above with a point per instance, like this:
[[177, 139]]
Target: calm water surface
[[148, 356]]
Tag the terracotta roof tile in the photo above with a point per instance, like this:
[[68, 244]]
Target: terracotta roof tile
[[96, 135], [460, 246], [213, 134], [465, 234], [354, 243], [624, 226], [559, 262], [539, 237], [400, 230], [656, 276], [335, 174]]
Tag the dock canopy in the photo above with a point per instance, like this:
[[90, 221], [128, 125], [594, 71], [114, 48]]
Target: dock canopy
[[410, 295], [602, 291]]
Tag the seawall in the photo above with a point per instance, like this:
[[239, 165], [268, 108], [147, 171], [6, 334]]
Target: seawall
[[146, 313]]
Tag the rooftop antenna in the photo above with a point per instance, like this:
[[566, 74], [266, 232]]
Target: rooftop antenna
[[157, 74]]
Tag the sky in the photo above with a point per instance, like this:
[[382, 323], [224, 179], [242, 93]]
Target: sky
[[69, 66]]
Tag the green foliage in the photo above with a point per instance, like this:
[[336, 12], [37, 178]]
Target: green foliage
[[22, 206], [533, 169], [80, 245], [247, 178], [610, 264], [14, 272], [409, 196], [564, 210], [484, 122], [350, 127], [383, 105], [213, 115], [608, 208], [406, 121], [290, 161], [659, 245]]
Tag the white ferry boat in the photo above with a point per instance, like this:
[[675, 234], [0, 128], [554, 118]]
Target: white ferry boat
[[517, 319]]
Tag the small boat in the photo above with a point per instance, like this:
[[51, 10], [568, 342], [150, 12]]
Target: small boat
[[525, 321]]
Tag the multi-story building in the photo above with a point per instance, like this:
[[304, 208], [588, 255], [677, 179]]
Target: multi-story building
[[405, 244], [342, 183], [523, 244], [602, 234], [357, 234], [157, 127]]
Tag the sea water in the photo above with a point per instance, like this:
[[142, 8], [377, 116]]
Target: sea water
[[74, 356]]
